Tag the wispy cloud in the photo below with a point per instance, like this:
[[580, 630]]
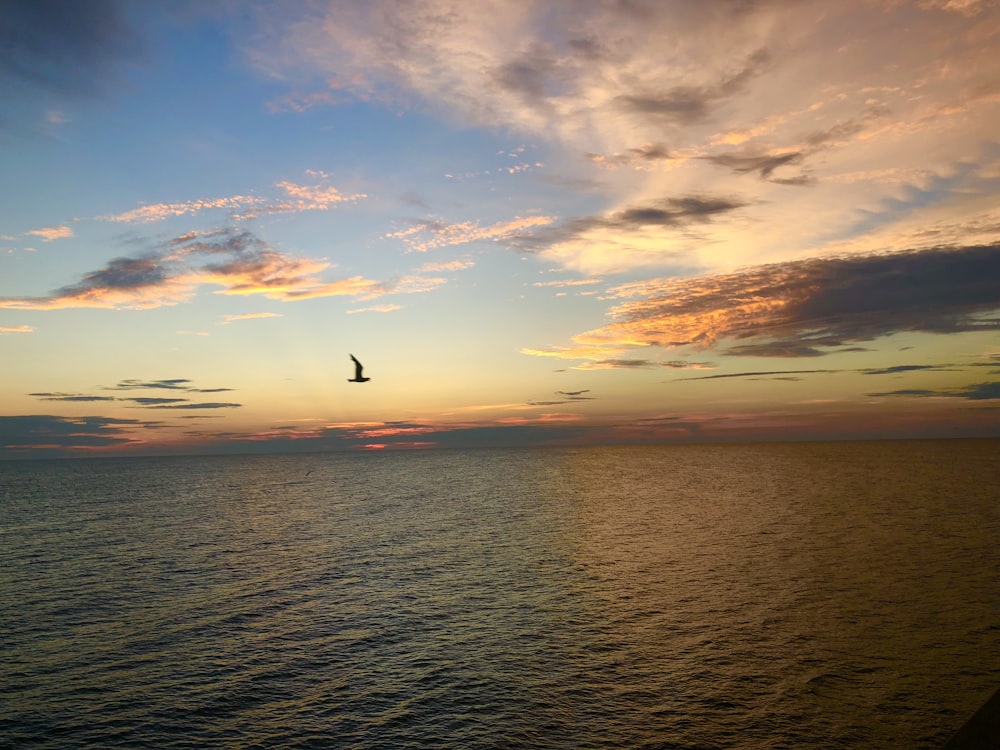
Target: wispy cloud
[[177, 385], [56, 396], [202, 405], [238, 262], [161, 211], [426, 235], [318, 197], [294, 197], [560, 283], [647, 156], [131, 384], [17, 329], [446, 265], [48, 234], [375, 308], [974, 392], [248, 316]]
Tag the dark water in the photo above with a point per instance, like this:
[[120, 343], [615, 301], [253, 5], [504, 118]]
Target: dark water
[[755, 596]]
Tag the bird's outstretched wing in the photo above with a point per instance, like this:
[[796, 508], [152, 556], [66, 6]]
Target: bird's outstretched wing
[[358, 377]]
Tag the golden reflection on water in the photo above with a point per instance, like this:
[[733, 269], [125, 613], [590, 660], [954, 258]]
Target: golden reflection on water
[[693, 596]]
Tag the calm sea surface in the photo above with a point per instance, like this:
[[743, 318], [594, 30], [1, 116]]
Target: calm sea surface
[[837, 595]]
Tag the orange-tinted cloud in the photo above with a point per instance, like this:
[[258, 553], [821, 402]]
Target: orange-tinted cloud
[[237, 261], [52, 233], [804, 308]]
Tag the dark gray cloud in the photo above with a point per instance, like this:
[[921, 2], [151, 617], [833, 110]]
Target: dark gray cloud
[[674, 213], [774, 349], [756, 374], [71, 397], [533, 76], [894, 370], [133, 384], [64, 47], [686, 105], [123, 274], [568, 397], [207, 405], [763, 165], [152, 400], [812, 307], [44, 433], [622, 364], [651, 152], [974, 392], [234, 259]]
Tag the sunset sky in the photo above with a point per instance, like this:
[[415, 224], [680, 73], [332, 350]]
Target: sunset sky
[[534, 223]]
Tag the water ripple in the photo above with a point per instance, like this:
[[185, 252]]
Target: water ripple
[[799, 596]]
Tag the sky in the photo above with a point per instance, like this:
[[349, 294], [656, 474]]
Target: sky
[[572, 222]]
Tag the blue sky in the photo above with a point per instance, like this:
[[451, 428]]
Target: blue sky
[[534, 223]]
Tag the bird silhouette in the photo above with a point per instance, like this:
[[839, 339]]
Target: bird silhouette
[[358, 377]]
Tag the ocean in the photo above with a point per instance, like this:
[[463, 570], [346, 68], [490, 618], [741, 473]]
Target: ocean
[[807, 595]]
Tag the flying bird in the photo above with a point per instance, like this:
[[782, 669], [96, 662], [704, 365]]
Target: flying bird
[[573, 393], [358, 377]]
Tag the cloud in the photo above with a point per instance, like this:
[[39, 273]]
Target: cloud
[[168, 384], [237, 261], [208, 405], [690, 104], [757, 374], [618, 364], [974, 392], [71, 397], [763, 165], [17, 329], [40, 433], [638, 157], [248, 316], [896, 369], [295, 198], [542, 69], [671, 89], [375, 308], [148, 402], [630, 237], [311, 197], [560, 283], [161, 211], [52, 233], [425, 235], [446, 265], [807, 308], [965, 7], [153, 400]]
